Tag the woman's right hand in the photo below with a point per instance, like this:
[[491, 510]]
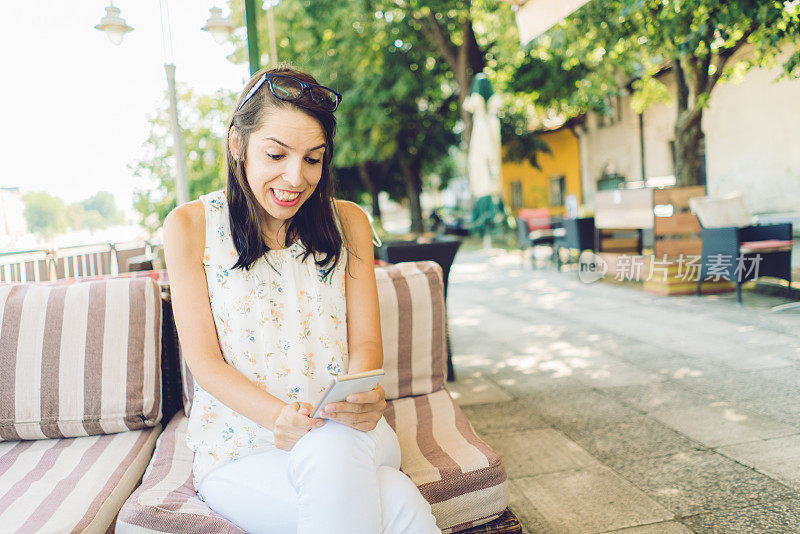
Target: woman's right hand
[[293, 423]]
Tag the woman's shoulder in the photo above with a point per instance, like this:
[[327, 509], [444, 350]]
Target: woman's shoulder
[[184, 227], [351, 214], [356, 224]]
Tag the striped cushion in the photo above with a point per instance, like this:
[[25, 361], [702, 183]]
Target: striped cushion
[[79, 359], [457, 472], [411, 298], [166, 500], [70, 485], [462, 478]]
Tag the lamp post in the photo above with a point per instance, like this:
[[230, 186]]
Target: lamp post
[[115, 28]]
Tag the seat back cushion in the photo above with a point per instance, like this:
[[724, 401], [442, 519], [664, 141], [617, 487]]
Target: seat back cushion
[[412, 309], [79, 359]]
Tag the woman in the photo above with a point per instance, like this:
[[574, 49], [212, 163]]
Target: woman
[[284, 274]]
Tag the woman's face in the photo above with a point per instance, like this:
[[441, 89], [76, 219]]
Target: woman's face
[[284, 161]]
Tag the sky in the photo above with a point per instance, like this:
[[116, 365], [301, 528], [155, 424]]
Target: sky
[[74, 107]]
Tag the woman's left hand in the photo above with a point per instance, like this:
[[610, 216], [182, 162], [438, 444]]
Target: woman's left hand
[[361, 411]]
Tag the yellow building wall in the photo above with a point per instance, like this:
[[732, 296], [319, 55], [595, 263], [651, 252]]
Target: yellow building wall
[[564, 160]]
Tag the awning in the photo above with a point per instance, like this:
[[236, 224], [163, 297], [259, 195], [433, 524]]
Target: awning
[[535, 17]]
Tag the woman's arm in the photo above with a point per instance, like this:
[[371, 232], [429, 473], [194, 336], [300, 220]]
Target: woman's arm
[[184, 245], [365, 347], [363, 318]]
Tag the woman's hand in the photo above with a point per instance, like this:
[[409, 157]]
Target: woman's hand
[[293, 423], [362, 411]]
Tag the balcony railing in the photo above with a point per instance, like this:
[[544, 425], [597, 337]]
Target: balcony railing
[[76, 262]]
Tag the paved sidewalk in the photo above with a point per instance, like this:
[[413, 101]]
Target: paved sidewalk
[[619, 411]]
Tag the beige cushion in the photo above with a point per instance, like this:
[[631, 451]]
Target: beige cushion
[[166, 500], [79, 359], [461, 476], [71, 484]]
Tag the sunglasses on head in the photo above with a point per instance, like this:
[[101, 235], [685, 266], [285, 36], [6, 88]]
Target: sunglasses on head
[[289, 88]]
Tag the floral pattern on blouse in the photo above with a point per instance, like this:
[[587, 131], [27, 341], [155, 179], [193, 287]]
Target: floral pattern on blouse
[[282, 324]]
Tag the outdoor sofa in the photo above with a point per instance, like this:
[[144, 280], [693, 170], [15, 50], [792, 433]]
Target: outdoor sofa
[[91, 371]]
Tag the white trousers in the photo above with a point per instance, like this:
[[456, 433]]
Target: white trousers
[[334, 480]]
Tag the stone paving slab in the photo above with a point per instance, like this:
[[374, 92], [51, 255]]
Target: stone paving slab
[[635, 386], [689, 483], [778, 458], [537, 452], [771, 518], [502, 417], [666, 394], [593, 499], [627, 441], [667, 527], [476, 390], [721, 423]]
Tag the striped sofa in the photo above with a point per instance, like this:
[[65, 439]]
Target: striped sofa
[[69, 462], [462, 478], [80, 400]]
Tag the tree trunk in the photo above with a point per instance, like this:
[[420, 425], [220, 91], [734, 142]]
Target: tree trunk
[[369, 184], [688, 134], [413, 182], [688, 131]]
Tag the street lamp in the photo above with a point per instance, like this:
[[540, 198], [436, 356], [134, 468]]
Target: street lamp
[[219, 27], [113, 25]]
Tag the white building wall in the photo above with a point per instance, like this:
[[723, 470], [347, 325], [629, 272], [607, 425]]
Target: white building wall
[[608, 145], [753, 141], [752, 130]]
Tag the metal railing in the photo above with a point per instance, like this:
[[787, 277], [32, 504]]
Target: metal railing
[[70, 262]]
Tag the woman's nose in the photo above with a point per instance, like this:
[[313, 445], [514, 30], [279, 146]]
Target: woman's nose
[[294, 173]]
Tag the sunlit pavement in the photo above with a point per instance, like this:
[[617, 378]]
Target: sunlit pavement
[[617, 410]]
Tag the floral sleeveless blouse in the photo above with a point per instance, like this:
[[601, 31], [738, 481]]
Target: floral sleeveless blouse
[[282, 324]]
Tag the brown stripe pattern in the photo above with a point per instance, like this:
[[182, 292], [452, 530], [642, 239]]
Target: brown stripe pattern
[[461, 476], [79, 359], [412, 310], [166, 500], [71, 484]]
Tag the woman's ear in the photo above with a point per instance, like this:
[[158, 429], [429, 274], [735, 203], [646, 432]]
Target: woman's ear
[[235, 143]]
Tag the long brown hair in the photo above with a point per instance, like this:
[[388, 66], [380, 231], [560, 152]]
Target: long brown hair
[[315, 222]]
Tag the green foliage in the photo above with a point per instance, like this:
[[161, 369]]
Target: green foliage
[[49, 215], [45, 214], [203, 120], [397, 65]]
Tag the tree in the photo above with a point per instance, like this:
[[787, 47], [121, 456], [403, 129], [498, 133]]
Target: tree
[[607, 41], [103, 204], [44, 213], [203, 119]]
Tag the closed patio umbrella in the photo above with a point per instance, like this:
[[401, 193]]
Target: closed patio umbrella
[[483, 157]]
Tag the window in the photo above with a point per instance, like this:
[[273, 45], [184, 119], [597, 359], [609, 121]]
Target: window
[[516, 195], [557, 190]]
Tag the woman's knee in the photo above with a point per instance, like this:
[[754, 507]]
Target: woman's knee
[[333, 444], [404, 508]]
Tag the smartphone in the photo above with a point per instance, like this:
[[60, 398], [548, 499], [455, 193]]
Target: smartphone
[[343, 385]]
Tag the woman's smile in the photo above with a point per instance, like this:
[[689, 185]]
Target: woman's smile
[[284, 197]]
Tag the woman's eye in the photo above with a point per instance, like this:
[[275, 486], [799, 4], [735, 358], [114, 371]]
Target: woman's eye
[[276, 156], [312, 161]]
